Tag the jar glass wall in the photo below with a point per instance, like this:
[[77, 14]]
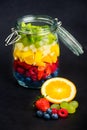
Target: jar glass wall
[[36, 53]]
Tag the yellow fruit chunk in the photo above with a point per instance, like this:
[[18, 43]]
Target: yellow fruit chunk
[[38, 58], [53, 57], [17, 54], [55, 48], [28, 57], [27, 53], [47, 59], [29, 60], [58, 89]]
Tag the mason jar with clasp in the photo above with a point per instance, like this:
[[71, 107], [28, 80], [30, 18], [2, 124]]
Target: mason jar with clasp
[[36, 49]]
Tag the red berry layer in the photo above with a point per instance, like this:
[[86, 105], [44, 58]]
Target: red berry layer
[[35, 72]]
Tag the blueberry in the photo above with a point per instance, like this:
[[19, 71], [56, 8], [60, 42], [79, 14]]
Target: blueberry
[[49, 111], [27, 80], [48, 77], [16, 75], [19, 76], [55, 73], [39, 113], [46, 116], [54, 116]]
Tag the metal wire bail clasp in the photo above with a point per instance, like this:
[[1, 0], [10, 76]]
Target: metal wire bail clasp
[[69, 40], [12, 38]]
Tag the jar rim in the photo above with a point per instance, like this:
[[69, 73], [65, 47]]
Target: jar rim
[[38, 20]]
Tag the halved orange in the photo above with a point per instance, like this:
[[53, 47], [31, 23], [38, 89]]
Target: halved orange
[[58, 89]]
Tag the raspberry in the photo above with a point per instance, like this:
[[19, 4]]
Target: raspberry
[[54, 111], [63, 112], [24, 65], [27, 74], [34, 77], [20, 70]]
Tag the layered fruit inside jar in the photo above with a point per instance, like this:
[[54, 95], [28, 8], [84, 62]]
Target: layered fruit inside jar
[[36, 55]]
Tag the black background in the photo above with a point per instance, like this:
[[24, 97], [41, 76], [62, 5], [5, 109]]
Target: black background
[[16, 111]]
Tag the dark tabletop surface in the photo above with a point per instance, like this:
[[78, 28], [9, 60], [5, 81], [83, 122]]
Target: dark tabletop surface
[[16, 112]]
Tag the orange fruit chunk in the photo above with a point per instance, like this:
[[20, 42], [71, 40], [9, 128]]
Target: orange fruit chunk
[[58, 89]]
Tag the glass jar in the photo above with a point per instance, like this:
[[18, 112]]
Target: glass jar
[[36, 49]]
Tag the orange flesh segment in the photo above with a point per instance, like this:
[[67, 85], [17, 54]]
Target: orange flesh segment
[[58, 90]]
